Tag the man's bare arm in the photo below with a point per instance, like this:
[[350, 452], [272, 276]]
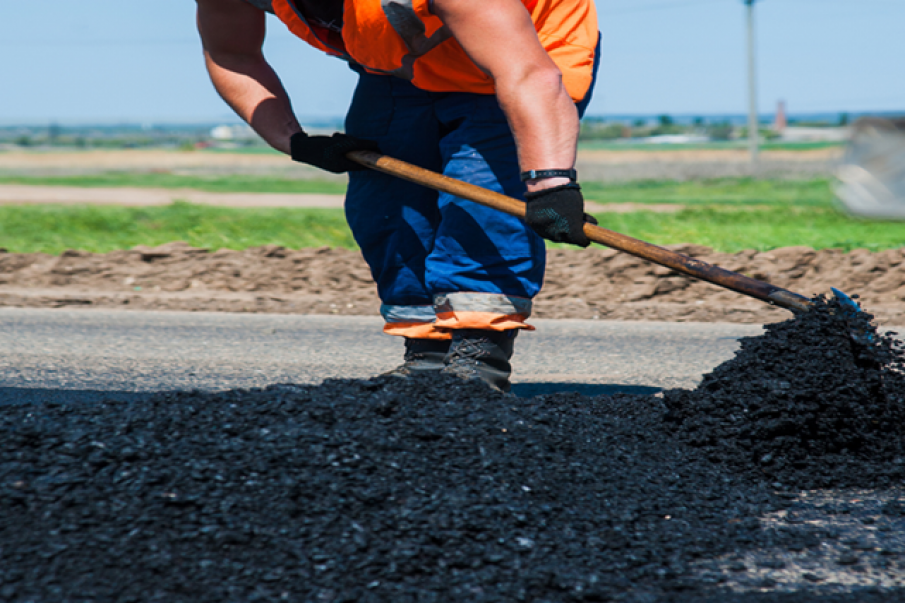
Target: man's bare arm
[[500, 37], [232, 34]]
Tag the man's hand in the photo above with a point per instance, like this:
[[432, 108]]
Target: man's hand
[[329, 152], [557, 214]]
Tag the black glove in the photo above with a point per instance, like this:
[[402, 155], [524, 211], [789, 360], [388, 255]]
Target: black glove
[[557, 214], [329, 152]]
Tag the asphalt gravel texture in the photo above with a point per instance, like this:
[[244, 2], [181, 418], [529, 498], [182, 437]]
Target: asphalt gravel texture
[[775, 480], [816, 402]]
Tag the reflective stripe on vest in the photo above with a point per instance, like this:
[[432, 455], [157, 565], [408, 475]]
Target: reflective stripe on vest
[[402, 38]]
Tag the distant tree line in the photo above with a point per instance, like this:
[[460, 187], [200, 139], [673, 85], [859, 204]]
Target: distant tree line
[[601, 129], [112, 137]]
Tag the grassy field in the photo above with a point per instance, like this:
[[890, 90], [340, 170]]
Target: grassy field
[[211, 184], [56, 228], [725, 193], [728, 215], [609, 145]]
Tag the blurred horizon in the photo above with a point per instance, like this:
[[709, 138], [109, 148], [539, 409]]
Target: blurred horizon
[[826, 118], [114, 62]]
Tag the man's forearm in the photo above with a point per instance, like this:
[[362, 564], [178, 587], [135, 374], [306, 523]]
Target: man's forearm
[[251, 87], [502, 40], [544, 122]]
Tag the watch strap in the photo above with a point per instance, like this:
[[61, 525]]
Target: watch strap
[[542, 174]]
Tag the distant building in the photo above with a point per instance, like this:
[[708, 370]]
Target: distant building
[[780, 122], [676, 139], [802, 134], [233, 133]]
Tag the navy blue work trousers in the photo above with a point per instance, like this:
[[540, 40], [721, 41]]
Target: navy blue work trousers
[[441, 262]]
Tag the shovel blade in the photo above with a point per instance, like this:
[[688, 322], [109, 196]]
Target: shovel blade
[[851, 310], [847, 302]]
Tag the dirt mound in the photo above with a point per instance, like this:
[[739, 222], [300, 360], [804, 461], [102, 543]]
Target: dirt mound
[[808, 403], [592, 283]]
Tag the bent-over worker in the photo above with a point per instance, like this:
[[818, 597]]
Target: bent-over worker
[[485, 91]]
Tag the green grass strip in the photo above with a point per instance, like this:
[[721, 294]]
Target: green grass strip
[[56, 228], [734, 229], [212, 184], [728, 215], [610, 145], [723, 191]]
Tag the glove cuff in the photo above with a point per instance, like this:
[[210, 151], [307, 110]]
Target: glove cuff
[[552, 189], [295, 141]]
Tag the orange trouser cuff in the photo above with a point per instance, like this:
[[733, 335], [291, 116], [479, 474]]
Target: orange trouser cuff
[[487, 321], [416, 330], [459, 310]]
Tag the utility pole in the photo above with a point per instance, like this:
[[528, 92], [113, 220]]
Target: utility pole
[[752, 88]]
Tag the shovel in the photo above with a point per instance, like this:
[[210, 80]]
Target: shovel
[[680, 263]]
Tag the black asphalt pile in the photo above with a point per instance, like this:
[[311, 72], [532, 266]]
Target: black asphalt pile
[[384, 490], [438, 490], [817, 401]]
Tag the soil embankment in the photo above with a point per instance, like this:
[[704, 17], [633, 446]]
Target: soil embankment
[[593, 283]]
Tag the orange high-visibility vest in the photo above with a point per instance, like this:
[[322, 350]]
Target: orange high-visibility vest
[[402, 38]]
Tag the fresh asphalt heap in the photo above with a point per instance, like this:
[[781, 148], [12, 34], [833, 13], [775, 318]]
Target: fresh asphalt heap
[[439, 490], [818, 401]]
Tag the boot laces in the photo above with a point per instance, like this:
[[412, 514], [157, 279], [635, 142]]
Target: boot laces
[[468, 352]]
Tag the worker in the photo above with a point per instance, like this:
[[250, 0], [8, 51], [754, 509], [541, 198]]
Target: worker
[[486, 91]]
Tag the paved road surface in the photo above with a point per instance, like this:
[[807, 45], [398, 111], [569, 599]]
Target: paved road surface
[[77, 354]]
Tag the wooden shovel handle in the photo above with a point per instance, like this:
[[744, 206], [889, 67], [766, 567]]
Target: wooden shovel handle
[[659, 255]]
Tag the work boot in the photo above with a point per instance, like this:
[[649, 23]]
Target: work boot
[[421, 356], [481, 354]]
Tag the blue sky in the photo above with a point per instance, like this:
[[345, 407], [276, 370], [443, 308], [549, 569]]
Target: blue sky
[[114, 60]]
